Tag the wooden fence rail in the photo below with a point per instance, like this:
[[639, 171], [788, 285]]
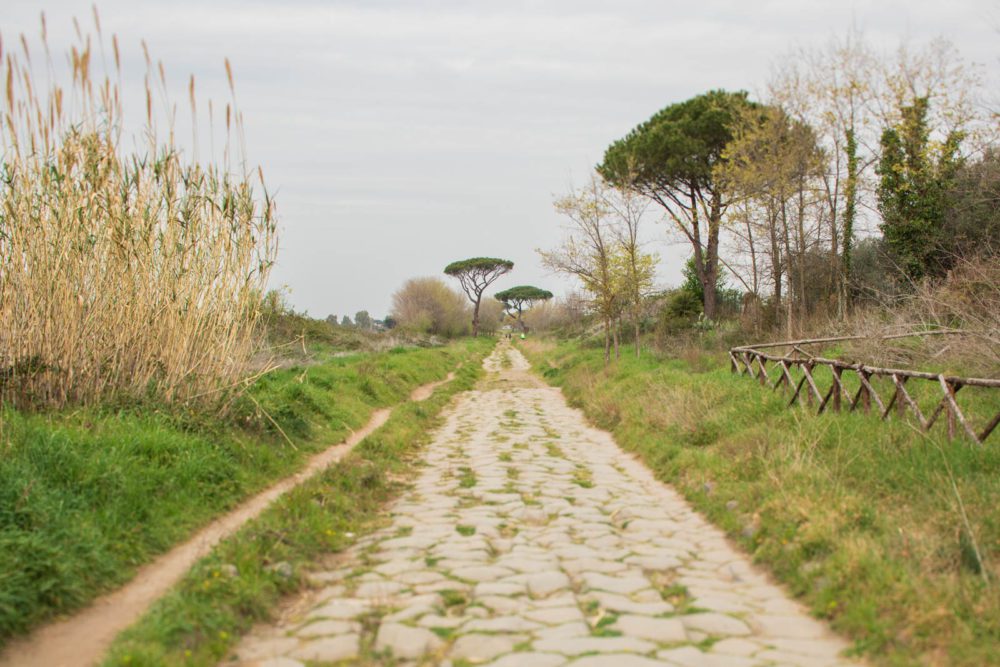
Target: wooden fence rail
[[751, 360]]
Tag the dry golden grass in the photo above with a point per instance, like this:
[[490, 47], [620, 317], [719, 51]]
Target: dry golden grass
[[968, 299], [122, 272]]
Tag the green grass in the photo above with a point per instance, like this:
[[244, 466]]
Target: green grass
[[88, 495], [862, 519], [199, 621], [466, 477]]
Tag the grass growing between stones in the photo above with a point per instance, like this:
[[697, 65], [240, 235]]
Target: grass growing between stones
[[891, 535], [89, 495], [582, 477], [466, 477], [198, 622]]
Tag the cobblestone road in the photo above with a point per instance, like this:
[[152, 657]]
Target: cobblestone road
[[532, 540]]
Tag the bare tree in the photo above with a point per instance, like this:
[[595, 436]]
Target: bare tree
[[587, 250], [636, 268]]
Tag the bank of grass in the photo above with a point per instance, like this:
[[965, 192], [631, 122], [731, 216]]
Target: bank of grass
[[891, 535], [200, 620], [88, 495]]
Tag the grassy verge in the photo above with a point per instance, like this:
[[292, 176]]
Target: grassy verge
[[890, 535], [87, 496], [202, 617]]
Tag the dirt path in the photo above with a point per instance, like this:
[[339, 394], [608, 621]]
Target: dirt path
[[530, 539], [83, 638]]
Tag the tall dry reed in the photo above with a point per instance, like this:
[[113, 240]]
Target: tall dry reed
[[122, 272]]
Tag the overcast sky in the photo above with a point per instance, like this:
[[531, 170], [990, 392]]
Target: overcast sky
[[400, 135]]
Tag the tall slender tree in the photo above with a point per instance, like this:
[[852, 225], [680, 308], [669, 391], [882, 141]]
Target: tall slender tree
[[475, 275]]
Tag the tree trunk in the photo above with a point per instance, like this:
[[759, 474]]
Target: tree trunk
[[850, 210], [700, 261], [788, 259], [801, 243], [712, 258], [475, 317], [618, 354], [776, 260], [607, 341], [635, 322]]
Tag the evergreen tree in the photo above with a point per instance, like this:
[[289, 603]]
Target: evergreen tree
[[916, 175]]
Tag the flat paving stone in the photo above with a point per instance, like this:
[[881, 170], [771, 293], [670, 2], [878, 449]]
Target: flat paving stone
[[476, 647], [579, 645], [529, 660], [717, 624], [275, 662], [327, 629], [404, 641], [688, 656], [660, 630], [616, 660], [329, 649], [562, 538], [543, 584]]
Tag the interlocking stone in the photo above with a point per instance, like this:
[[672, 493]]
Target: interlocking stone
[[404, 641], [622, 585], [377, 589], [277, 662], [327, 629], [481, 573], [438, 621], [660, 630], [620, 603], [554, 615], [329, 649], [616, 660], [502, 624], [740, 647], [688, 656], [579, 645], [544, 584], [571, 629], [717, 624], [477, 647], [529, 660], [342, 609]]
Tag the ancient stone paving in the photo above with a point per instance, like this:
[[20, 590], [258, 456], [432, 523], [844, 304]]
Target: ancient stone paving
[[532, 540]]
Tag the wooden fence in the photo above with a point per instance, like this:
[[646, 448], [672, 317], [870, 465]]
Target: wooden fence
[[752, 360]]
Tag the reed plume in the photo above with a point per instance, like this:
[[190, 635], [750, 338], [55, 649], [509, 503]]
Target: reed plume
[[122, 272]]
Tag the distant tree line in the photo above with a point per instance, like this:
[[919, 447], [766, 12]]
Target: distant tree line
[[856, 177]]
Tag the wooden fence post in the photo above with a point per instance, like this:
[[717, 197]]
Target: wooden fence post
[[742, 359]]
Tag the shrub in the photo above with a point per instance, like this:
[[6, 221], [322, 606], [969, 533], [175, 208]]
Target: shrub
[[428, 305]]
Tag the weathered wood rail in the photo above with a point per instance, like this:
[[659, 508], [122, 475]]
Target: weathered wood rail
[[750, 359]]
